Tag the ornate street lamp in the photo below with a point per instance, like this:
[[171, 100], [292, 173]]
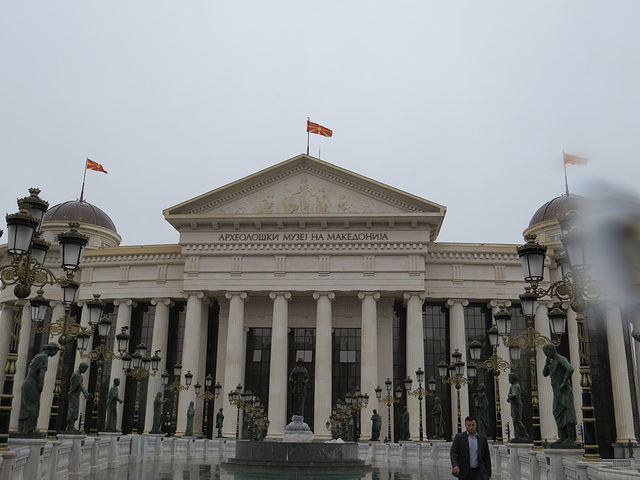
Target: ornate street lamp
[[101, 355], [577, 287], [420, 393], [26, 270], [139, 366], [389, 400], [494, 364], [455, 372], [208, 397], [176, 387]]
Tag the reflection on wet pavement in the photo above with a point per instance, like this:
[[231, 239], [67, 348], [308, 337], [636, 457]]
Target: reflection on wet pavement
[[197, 470]]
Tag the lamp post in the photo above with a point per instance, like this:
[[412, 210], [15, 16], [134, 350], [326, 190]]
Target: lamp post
[[26, 270], [420, 393], [356, 402], [456, 377], [100, 355], [389, 400], [139, 366], [176, 387], [577, 287], [208, 397], [494, 364], [530, 340], [242, 400]]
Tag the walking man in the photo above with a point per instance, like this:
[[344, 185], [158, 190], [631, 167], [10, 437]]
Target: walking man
[[470, 458]]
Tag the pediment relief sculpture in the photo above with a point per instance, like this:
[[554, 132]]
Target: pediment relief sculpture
[[307, 195]]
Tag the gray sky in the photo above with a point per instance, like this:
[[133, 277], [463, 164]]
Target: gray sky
[[454, 101]]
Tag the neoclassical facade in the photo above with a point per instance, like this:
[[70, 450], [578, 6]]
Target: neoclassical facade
[[307, 260]]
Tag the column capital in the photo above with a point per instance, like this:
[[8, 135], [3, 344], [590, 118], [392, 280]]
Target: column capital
[[167, 301], [363, 295], [496, 303], [330, 295], [452, 301], [196, 293], [408, 295], [286, 295], [230, 295], [125, 301]]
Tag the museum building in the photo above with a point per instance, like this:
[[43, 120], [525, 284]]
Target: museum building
[[308, 260]]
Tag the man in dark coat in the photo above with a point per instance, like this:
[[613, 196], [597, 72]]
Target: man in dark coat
[[469, 453]]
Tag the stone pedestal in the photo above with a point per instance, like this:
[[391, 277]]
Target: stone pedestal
[[519, 459], [75, 457], [297, 431], [554, 458], [33, 466]]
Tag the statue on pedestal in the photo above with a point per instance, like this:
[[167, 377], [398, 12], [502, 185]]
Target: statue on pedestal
[[559, 370], [32, 388], [158, 402], [515, 399], [191, 413], [481, 404], [405, 435], [376, 425], [219, 422], [112, 412], [438, 422], [76, 387], [298, 379]]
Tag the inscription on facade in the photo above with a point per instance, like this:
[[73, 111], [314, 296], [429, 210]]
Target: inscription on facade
[[304, 237]]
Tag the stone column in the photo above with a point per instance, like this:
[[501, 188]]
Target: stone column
[[190, 356], [574, 359], [548, 428], [278, 375], [6, 329], [123, 319], [503, 352], [158, 342], [619, 375], [233, 371], [415, 355], [458, 340], [204, 335], [322, 387], [369, 356], [46, 398], [21, 364]]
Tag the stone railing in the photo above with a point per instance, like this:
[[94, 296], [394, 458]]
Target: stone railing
[[78, 456]]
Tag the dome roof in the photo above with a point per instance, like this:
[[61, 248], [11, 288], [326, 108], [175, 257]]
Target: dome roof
[[557, 207], [79, 211]]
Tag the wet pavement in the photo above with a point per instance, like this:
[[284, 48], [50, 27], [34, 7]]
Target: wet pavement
[[198, 470]]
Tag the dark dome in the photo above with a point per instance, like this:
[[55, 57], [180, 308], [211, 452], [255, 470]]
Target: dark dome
[[79, 211], [557, 207]]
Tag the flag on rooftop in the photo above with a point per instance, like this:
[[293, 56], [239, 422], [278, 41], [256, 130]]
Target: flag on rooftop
[[91, 165], [574, 160], [318, 129]]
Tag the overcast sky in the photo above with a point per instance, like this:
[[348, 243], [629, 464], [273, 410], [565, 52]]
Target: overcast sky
[[465, 103]]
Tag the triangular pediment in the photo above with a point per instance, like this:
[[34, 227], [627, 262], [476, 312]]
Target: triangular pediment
[[304, 185]]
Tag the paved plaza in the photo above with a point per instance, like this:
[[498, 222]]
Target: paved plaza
[[182, 470]]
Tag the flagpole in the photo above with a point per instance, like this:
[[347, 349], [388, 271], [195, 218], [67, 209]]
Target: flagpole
[[308, 120], [564, 164], [83, 179]]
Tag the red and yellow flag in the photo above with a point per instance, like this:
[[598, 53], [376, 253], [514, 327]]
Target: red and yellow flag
[[318, 129], [91, 165], [574, 160]]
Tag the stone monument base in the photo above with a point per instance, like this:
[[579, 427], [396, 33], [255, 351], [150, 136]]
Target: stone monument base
[[300, 457], [297, 431]]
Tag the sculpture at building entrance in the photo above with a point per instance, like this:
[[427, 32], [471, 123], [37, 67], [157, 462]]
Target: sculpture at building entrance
[[298, 379]]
